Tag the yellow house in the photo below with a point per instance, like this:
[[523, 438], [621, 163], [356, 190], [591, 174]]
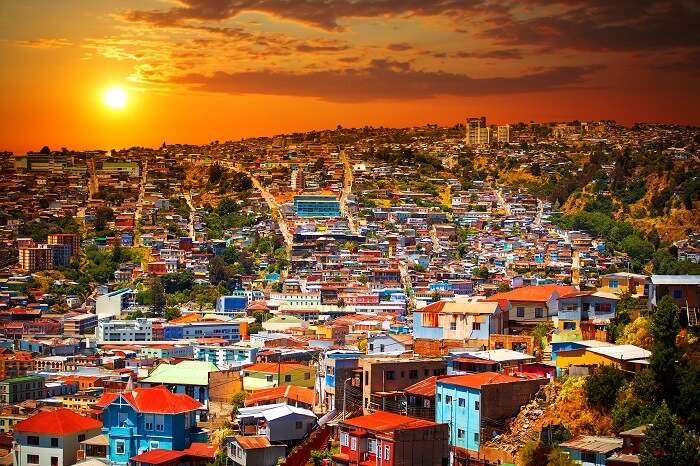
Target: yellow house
[[624, 282], [79, 401], [625, 357], [272, 374], [324, 332]]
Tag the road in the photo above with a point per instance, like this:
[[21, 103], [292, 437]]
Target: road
[[540, 211], [502, 201], [348, 179], [276, 213], [188, 199], [437, 247], [408, 286], [139, 203]]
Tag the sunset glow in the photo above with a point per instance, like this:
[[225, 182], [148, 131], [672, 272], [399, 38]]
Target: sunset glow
[[115, 98]]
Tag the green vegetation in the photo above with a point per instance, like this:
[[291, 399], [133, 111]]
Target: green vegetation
[[601, 388]]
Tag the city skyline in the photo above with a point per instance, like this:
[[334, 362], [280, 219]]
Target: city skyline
[[142, 72]]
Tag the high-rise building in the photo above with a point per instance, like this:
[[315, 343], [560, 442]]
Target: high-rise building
[[477, 132], [33, 259], [71, 239], [503, 133]]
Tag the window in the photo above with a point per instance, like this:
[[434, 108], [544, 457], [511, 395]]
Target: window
[[153, 445], [587, 457], [381, 348], [372, 445], [371, 346], [81, 438], [614, 284], [448, 399], [413, 374], [386, 452], [603, 308], [32, 459], [268, 378], [344, 439], [677, 293], [426, 402], [54, 461], [477, 405], [521, 312], [119, 444], [288, 378], [569, 325], [476, 326], [389, 375], [148, 421], [298, 425], [160, 422], [439, 398], [353, 443], [32, 440], [476, 437], [460, 433], [453, 325], [54, 442], [366, 378], [539, 313], [307, 375], [460, 402]]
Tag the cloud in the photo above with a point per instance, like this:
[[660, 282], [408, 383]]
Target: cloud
[[501, 54], [601, 25], [44, 43], [382, 79], [399, 47], [323, 14]]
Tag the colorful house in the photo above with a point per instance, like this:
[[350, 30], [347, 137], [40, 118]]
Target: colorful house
[[467, 323], [475, 405], [391, 439], [52, 438], [624, 282], [270, 374], [531, 305], [146, 419], [626, 357]]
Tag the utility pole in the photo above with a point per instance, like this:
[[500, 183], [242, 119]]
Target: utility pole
[[345, 395]]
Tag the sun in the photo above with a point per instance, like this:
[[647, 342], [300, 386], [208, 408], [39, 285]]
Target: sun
[[115, 97]]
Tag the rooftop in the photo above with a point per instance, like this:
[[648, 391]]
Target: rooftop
[[61, 422], [382, 421]]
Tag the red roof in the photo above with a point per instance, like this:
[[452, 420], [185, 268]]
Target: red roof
[[203, 450], [60, 421], [478, 379], [290, 392], [158, 456], [425, 387], [158, 400], [536, 294], [382, 421]]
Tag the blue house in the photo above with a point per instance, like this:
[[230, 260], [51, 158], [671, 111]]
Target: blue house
[[146, 419], [340, 365], [459, 403]]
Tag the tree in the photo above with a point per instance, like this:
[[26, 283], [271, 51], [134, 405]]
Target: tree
[[172, 313], [637, 333], [539, 333], [157, 295], [102, 216], [666, 444], [217, 270], [534, 453], [602, 388], [665, 356], [557, 457], [238, 401]]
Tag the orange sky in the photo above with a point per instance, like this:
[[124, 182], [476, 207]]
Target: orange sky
[[200, 70]]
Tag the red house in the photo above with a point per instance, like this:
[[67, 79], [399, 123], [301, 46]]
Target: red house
[[388, 439]]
